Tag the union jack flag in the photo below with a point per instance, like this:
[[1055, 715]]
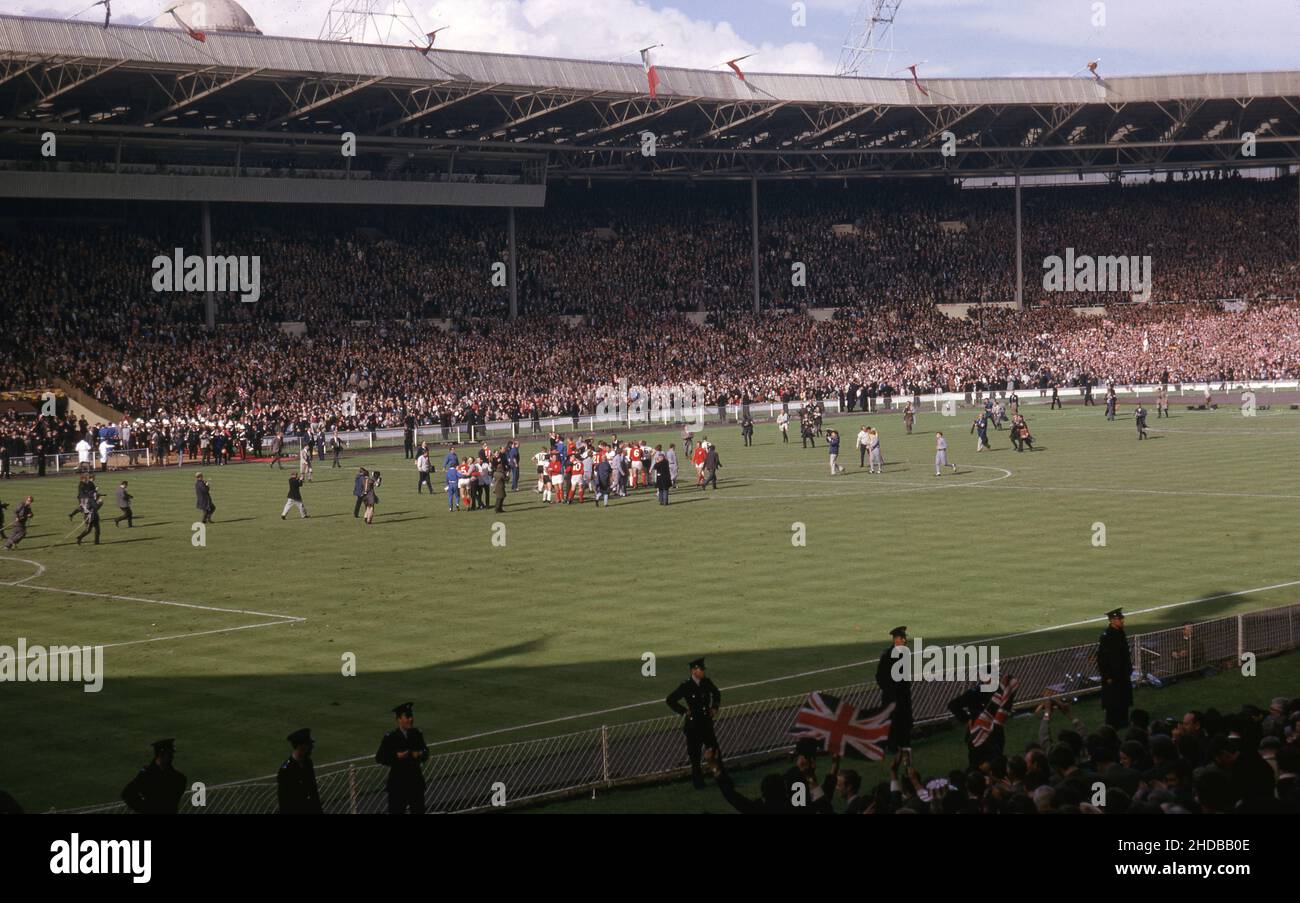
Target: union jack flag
[[842, 728], [996, 712]]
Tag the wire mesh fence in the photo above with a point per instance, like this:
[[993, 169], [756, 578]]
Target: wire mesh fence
[[484, 777]]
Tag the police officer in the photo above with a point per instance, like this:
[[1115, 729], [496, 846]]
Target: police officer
[[158, 788], [898, 692], [404, 751], [295, 782], [1140, 417], [702, 699], [1116, 667]]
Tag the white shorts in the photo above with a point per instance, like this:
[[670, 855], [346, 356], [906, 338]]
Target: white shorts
[[557, 479], [636, 465], [463, 484], [575, 479]]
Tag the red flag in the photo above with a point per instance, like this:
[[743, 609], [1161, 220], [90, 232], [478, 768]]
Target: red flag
[[732, 63], [193, 33], [651, 74], [432, 36], [920, 87]]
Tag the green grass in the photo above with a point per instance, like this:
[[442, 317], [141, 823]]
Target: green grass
[[945, 750], [555, 623]]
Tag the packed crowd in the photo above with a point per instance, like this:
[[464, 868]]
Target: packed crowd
[[370, 354], [1206, 762]]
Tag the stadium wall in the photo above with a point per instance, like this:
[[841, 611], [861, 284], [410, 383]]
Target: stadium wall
[[107, 186]]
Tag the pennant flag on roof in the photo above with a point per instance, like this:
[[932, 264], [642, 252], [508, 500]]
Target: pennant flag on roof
[[916, 81], [651, 74], [432, 36], [192, 32], [732, 63]]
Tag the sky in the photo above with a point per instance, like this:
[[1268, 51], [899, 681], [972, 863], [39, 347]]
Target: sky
[[958, 38]]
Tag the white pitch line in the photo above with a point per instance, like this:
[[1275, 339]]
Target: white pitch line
[[1122, 491], [40, 571], [274, 619], [229, 611], [859, 664], [1140, 611]]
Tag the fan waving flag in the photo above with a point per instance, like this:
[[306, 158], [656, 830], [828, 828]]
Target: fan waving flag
[[996, 712], [842, 728], [651, 74]]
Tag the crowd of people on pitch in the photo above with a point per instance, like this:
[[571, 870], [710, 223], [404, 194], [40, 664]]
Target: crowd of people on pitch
[[1207, 762]]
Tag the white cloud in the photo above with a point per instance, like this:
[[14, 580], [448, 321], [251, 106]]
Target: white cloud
[[581, 29]]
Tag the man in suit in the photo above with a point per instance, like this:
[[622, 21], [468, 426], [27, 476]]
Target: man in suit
[[849, 786], [500, 471], [90, 506], [1116, 667], [21, 517], [359, 490], [512, 463], [898, 692], [663, 477], [404, 752], [711, 465], [203, 498], [124, 505], [295, 782], [702, 699], [158, 787]]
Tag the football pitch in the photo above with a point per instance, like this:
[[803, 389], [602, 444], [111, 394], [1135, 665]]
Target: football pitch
[[231, 645]]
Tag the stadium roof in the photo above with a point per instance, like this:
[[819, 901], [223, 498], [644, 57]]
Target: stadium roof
[[586, 116]]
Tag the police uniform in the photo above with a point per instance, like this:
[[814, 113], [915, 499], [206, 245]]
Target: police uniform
[[295, 782], [156, 789], [1116, 667], [405, 783], [702, 698], [898, 692]]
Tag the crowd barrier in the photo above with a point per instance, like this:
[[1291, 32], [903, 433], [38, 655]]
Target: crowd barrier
[[600, 757]]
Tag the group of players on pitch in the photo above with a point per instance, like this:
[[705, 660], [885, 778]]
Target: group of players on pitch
[[568, 468]]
